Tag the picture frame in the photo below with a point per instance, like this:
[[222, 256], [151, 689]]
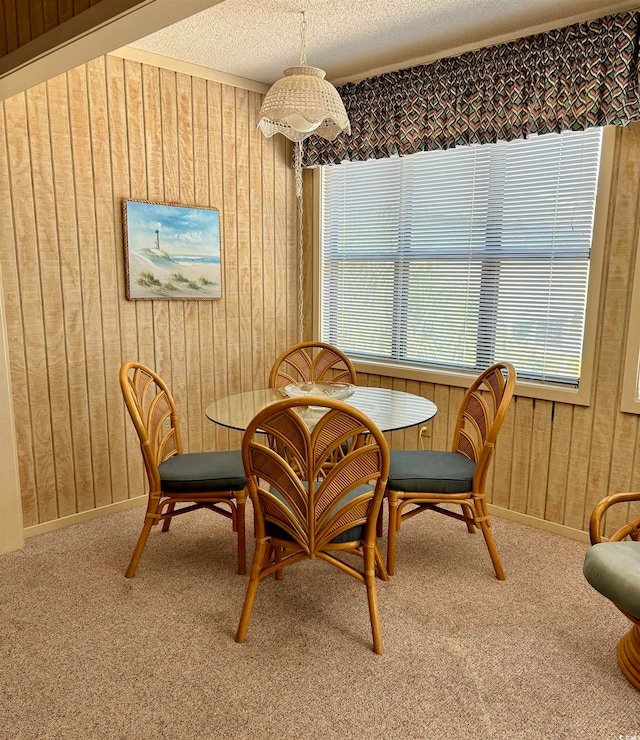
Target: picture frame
[[171, 251]]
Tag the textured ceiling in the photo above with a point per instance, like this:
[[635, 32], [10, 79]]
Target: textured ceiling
[[354, 38]]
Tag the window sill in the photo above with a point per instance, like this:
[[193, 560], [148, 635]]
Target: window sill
[[630, 404], [528, 389]]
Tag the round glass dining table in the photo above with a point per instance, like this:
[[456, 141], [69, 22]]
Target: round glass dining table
[[387, 408]]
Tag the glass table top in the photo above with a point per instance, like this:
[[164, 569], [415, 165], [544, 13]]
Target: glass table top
[[387, 408]]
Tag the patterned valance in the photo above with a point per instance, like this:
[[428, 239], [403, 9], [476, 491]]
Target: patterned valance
[[567, 79]]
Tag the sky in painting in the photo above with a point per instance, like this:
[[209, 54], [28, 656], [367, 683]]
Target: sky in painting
[[182, 231]]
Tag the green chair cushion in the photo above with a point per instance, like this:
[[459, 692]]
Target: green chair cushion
[[426, 471], [202, 472], [613, 569], [349, 535]]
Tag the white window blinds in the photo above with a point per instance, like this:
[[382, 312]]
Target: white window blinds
[[458, 258]]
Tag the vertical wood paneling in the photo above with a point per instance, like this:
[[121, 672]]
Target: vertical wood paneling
[[29, 289], [51, 16], [25, 20], [294, 261], [559, 447], [118, 134], [204, 358], [398, 437], [521, 454], [281, 162], [72, 327], [230, 245], [74, 148], [70, 151], [270, 310], [168, 316], [11, 25], [219, 308], [243, 230], [91, 299], [440, 425], [49, 258], [145, 160], [456, 396], [3, 31], [15, 336], [194, 408], [539, 462], [500, 488], [36, 17], [108, 273], [65, 10], [579, 461], [256, 251]]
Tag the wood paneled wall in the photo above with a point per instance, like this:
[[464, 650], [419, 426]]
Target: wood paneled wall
[[22, 21], [555, 461], [71, 150]]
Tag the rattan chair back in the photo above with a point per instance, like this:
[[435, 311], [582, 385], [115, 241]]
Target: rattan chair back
[[154, 415], [312, 361], [308, 505], [298, 464], [482, 412], [480, 417]]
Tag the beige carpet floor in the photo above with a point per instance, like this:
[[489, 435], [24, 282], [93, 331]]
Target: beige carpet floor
[[85, 653]]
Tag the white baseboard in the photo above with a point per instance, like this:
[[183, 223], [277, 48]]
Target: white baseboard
[[532, 521], [84, 516]]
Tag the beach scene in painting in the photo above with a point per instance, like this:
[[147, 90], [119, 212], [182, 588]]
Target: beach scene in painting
[[173, 251]]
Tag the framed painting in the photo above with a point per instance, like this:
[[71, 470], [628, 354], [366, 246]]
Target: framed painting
[[172, 252]]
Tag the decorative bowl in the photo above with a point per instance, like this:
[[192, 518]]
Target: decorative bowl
[[339, 391]]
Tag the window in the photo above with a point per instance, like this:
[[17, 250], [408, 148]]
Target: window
[[454, 259], [631, 375]]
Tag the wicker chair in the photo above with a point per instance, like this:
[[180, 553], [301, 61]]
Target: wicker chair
[[199, 479], [306, 506], [309, 361], [428, 479], [613, 569]]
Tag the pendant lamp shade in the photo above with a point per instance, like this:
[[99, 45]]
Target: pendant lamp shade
[[303, 103]]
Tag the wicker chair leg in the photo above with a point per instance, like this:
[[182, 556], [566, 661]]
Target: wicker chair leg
[[240, 526], [258, 560], [137, 553], [167, 521], [393, 532], [629, 655], [370, 582], [382, 571], [493, 552], [277, 557], [468, 512], [380, 520]]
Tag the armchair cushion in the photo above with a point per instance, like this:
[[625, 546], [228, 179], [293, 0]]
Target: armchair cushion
[[202, 471], [613, 569], [426, 471]]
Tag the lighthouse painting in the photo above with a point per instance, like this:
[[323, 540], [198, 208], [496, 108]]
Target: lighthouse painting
[[171, 251]]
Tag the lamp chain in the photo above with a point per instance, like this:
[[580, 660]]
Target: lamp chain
[[298, 150], [303, 39]]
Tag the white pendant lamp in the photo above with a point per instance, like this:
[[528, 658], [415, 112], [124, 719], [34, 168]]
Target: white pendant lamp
[[303, 103], [299, 105]]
